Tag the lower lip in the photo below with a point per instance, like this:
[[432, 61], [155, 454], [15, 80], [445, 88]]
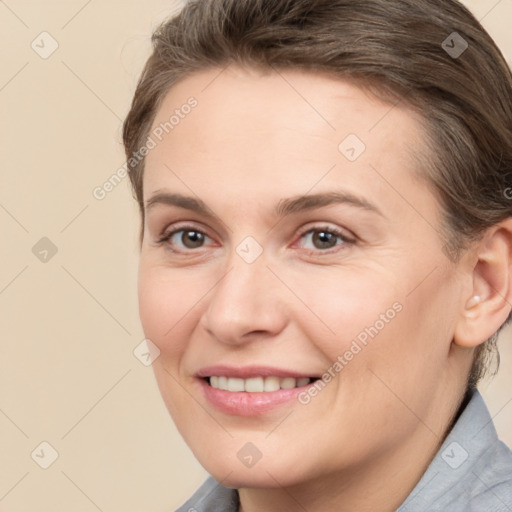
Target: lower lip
[[242, 403]]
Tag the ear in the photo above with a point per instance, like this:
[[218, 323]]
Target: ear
[[488, 306]]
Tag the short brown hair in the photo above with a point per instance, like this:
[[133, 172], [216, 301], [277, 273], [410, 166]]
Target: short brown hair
[[432, 56]]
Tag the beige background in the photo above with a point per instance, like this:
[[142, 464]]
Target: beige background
[[68, 375]]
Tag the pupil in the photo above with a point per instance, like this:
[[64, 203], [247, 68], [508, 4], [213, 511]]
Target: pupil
[[194, 236], [324, 235]]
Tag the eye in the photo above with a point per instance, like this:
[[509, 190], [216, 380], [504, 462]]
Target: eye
[[188, 238], [185, 238], [324, 238]]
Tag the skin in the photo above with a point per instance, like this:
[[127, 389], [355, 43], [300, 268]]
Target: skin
[[253, 139]]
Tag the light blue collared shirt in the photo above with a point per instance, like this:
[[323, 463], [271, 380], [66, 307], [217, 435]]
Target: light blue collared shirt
[[471, 472]]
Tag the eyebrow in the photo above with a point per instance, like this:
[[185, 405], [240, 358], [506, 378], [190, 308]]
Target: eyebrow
[[285, 207]]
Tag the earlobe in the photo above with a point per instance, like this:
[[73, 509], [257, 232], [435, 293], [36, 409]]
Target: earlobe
[[489, 305]]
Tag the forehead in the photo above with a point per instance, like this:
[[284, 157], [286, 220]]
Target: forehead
[[279, 99], [277, 130]]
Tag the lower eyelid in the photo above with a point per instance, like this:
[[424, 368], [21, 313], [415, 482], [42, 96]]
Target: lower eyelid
[[342, 240], [167, 236]]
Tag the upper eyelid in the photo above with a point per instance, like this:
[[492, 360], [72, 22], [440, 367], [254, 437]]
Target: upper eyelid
[[318, 227], [339, 232], [189, 224], [177, 227]]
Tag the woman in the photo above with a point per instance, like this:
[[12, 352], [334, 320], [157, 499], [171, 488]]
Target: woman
[[325, 250]]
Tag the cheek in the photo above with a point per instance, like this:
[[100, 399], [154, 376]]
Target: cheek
[[166, 309], [377, 329], [348, 306]]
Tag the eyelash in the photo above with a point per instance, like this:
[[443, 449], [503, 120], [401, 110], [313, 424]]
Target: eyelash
[[166, 236]]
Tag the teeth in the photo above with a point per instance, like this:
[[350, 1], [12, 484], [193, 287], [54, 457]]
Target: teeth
[[288, 383], [257, 384], [271, 384], [236, 384], [253, 385]]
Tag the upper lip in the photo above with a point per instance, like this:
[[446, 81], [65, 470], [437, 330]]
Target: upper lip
[[246, 372]]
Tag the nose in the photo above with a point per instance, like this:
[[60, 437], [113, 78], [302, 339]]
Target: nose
[[246, 304]]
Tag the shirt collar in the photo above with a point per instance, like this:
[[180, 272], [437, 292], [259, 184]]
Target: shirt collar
[[468, 446]]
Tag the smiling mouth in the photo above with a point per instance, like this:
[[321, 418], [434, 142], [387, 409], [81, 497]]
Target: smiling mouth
[[257, 384]]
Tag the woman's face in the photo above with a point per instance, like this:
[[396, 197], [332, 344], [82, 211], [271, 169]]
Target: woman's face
[[267, 284]]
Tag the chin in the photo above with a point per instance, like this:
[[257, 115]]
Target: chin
[[253, 478], [274, 472]]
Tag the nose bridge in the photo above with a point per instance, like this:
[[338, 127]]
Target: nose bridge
[[246, 299]]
